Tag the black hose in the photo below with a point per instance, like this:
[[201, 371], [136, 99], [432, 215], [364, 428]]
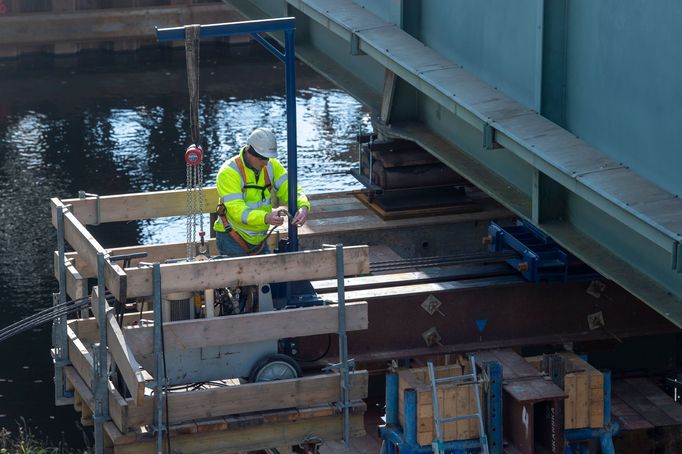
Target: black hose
[[44, 316]]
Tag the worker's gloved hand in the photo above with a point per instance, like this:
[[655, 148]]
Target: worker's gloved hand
[[273, 218], [301, 216]]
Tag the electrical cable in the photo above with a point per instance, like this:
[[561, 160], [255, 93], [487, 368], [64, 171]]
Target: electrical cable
[[43, 316]]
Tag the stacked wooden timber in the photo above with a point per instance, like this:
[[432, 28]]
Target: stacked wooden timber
[[453, 399]]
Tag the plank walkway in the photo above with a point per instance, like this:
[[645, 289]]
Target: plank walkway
[[638, 403]]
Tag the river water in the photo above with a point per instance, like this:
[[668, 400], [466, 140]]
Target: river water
[[111, 124]]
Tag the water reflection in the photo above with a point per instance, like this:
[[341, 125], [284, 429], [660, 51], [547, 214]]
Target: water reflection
[[118, 124]]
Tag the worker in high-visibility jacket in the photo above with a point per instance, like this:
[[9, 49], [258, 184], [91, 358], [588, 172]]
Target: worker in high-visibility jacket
[[245, 184]]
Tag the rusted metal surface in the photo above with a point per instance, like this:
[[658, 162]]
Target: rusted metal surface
[[490, 313]]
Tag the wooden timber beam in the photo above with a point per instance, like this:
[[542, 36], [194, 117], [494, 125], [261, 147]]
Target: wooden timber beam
[[243, 328], [251, 397], [82, 362], [87, 330], [250, 437], [76, 283], [107, 24], [155, 253], [123, 357], [261, 269], [141, 205], [128, 367], [87, 247]]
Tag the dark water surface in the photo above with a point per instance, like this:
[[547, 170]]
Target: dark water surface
[[111, 124]]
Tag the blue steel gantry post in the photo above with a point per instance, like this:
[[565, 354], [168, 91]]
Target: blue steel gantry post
[[255, 28]]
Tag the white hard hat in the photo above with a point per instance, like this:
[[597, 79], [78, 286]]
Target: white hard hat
[[263, 142]]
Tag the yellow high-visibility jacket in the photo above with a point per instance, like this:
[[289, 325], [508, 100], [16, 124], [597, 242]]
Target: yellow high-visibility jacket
[[248, 202]]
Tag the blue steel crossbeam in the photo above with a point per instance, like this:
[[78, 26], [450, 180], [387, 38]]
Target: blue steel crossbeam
[[254, 28]]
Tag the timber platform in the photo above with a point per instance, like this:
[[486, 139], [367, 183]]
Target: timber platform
[[183, 367]]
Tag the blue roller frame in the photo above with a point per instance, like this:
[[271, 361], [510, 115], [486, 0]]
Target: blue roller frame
[[254, 28]]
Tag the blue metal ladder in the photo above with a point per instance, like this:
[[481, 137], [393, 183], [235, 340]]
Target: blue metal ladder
[[438, 420]]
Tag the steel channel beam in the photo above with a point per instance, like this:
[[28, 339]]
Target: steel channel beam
[[654, 280], [516, 314]]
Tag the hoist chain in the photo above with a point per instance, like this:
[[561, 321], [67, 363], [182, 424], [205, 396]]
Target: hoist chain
[[190, 214], [195, 206], [194, 154], [200, 183]]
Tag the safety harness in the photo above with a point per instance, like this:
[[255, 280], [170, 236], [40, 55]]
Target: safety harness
[[221, 211]]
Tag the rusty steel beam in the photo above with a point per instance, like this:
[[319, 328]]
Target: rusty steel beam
[[490, 313]]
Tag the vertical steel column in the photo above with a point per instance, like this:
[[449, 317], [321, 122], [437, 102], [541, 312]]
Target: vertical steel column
[[494, 410], [606, 439], [101, 375], [160, 372], [290, 83], [59, 342], [410, 412], [392, 399], [607, 397], [343, 344]]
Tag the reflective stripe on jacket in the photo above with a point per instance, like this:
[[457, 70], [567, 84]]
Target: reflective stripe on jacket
[[246, 208]]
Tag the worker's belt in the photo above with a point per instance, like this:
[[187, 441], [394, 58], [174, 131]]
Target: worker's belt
[[250, 250]]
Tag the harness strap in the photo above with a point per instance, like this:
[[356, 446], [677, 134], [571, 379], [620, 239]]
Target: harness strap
[[222, 212], [240, 166], [244, 245]]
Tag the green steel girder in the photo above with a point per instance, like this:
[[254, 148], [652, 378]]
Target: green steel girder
[[624, 226]]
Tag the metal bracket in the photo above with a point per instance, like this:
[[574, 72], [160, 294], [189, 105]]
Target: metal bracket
[[489, 137], [350, 365], [355, 44], [82, 195], [677, 257], [432, 305]]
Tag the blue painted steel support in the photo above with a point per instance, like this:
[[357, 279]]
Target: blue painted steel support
[[542, 259], [607, 397], [404, 439], [410, 412], [392, 399], [290, 69], [254, 28], [494, 407]]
